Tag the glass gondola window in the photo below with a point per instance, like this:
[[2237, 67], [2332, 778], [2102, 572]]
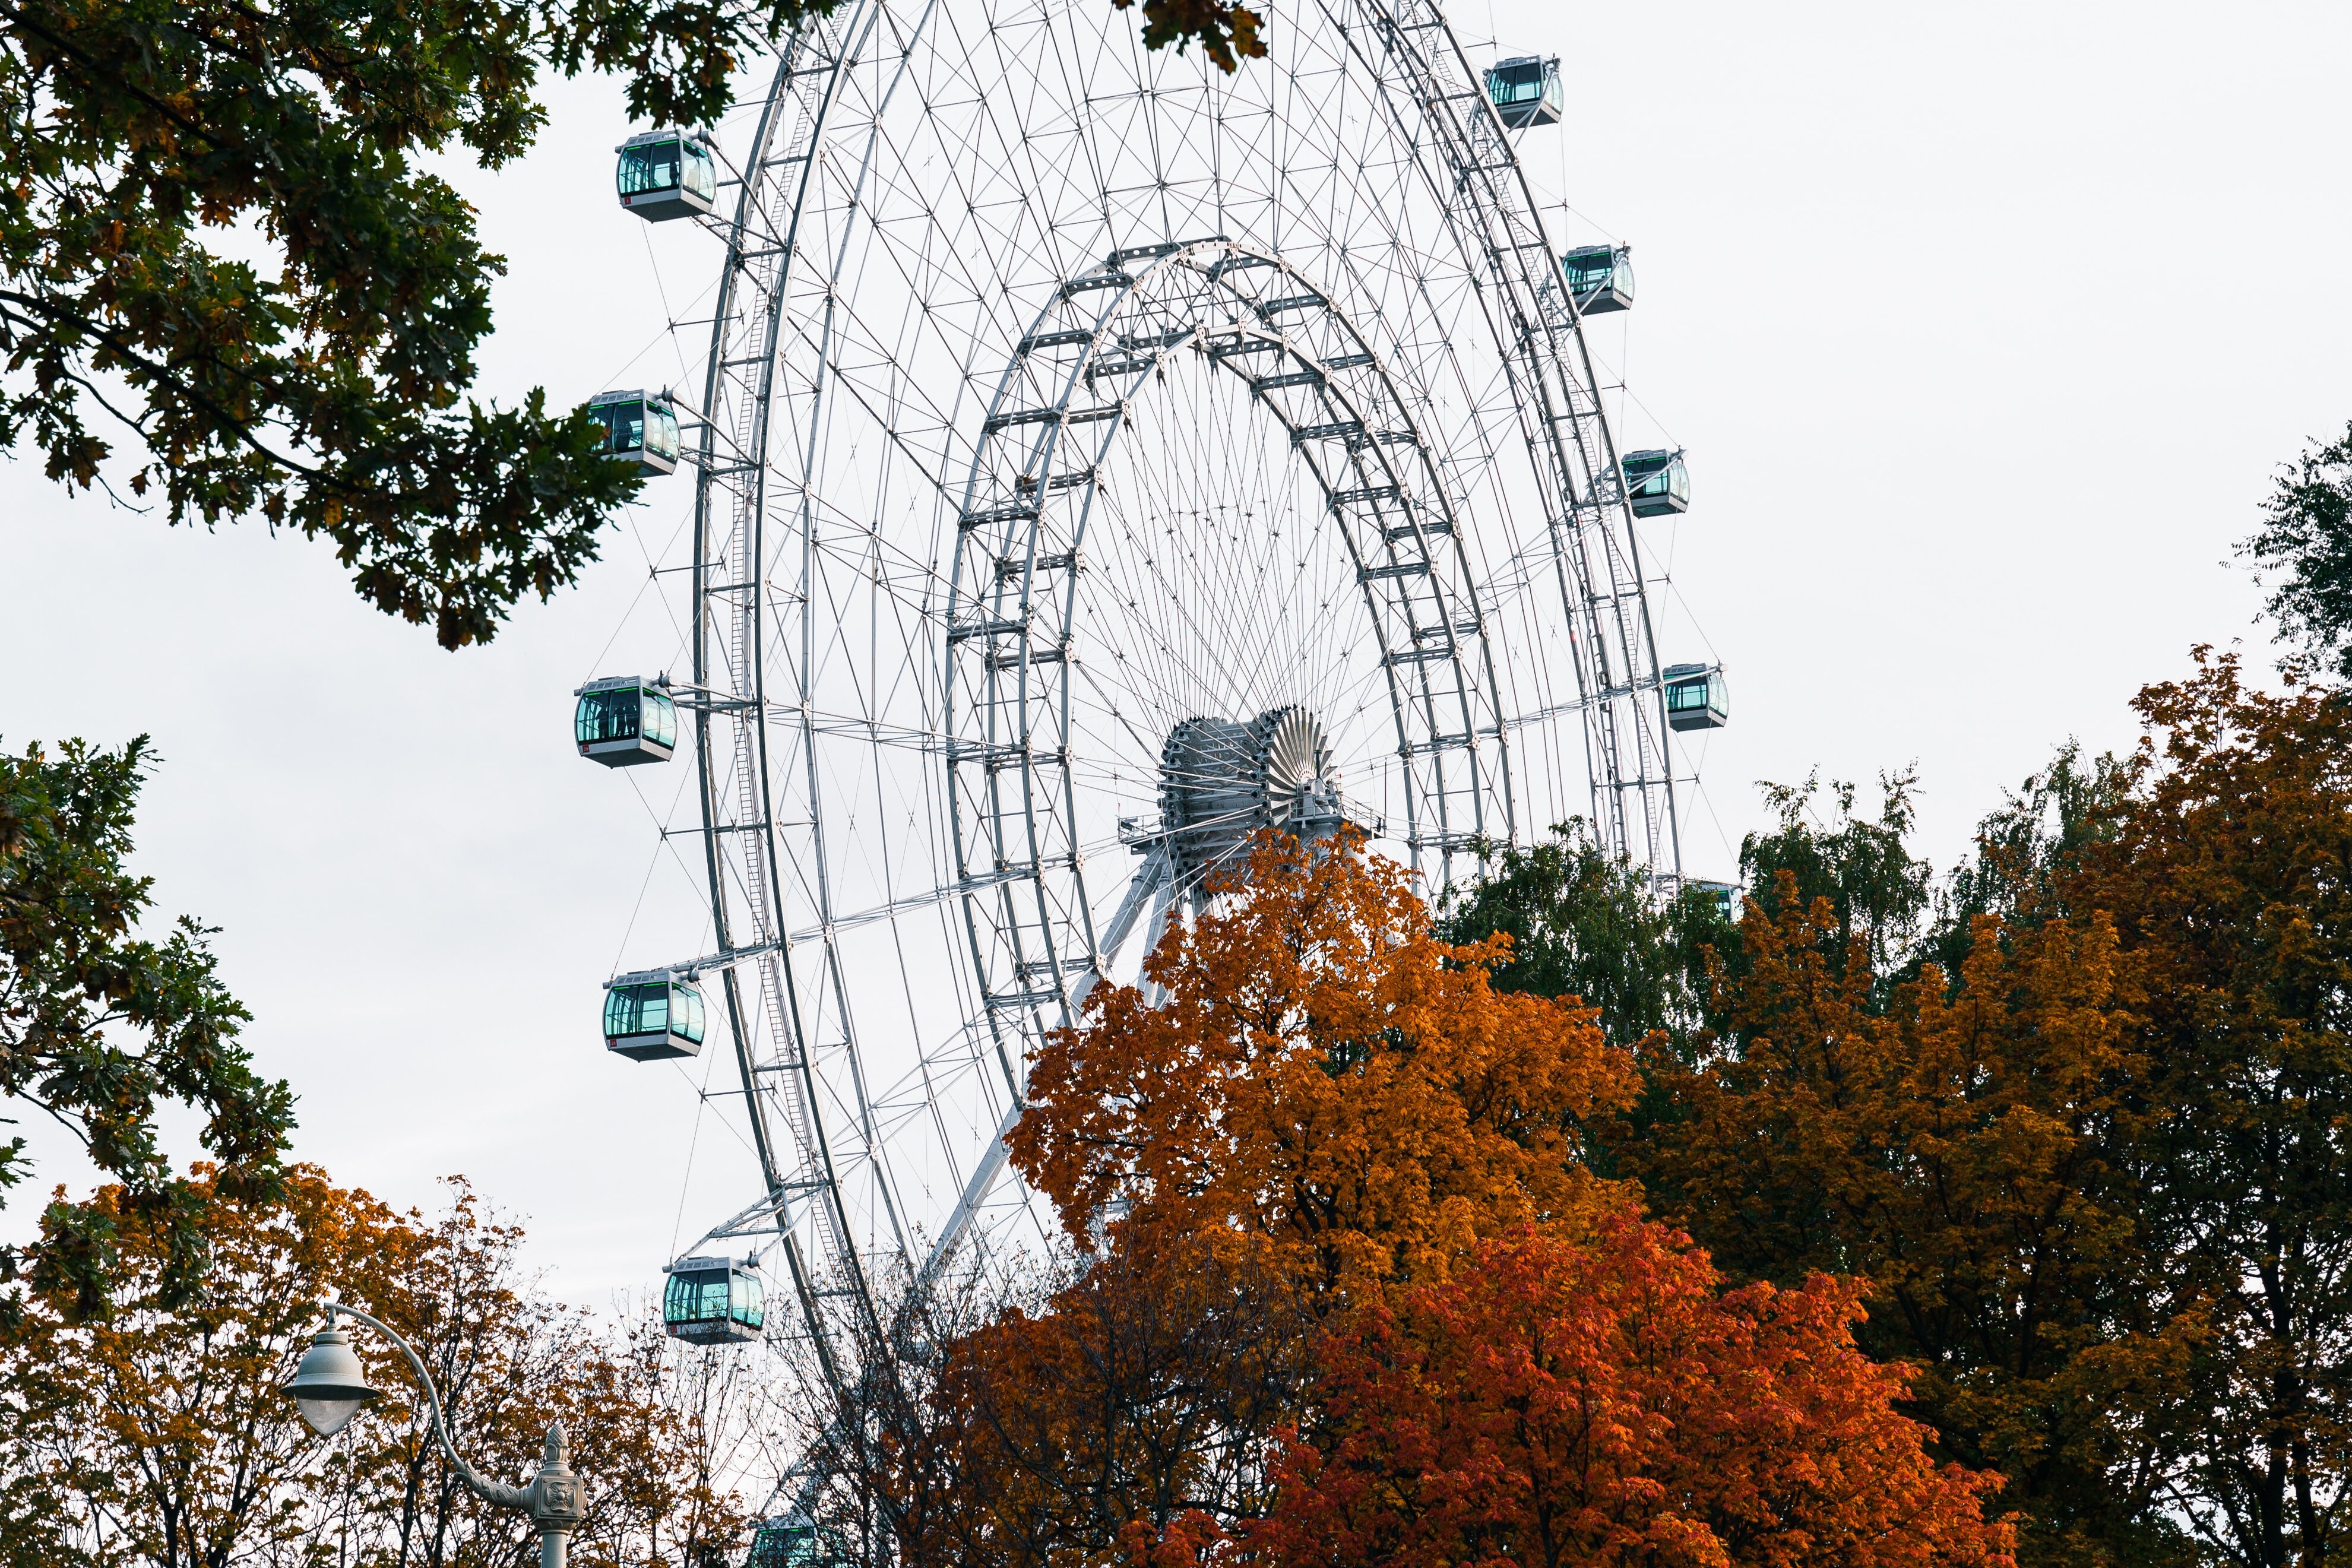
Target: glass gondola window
[[1600, 278], [638, 428], [1657, 483], [710, 1300], [653, 1015], [790, 1542], [1722, 896], [1697, 697], [624, 721], [1526, 91], [664, 174]]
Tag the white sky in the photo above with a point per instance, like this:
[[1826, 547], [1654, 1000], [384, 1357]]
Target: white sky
[[1985, 328]]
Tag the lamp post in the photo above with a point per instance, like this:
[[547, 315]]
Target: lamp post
[[330, 1387]]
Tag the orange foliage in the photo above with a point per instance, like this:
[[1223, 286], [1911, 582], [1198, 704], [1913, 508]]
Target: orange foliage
[[1332, 1110], [1555, 1404], [157, 1437], [1325, 1078]]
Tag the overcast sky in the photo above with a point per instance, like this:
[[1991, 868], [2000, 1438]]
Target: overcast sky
[[1985, 328]]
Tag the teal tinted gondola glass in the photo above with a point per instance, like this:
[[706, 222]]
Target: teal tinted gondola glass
[[787, 1542], [1656, 482], [638, 428], [1722, 896], [664, 174], [713, 1300], [623, 720], [1526, 91], [653, 1015], [1600, 278], [1697, 697]]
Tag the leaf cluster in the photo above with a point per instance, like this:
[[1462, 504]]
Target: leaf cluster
[[1585, 923], [99, 1025], [1610, 1404], [2305, 550]]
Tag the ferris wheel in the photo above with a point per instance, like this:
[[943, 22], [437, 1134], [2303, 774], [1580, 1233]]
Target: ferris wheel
[[1098, 458]]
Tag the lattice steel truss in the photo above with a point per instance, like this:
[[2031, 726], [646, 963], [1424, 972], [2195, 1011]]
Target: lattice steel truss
[[1061, 395]]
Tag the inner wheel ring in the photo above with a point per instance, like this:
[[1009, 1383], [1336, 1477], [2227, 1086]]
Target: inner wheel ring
[[1016, 650]]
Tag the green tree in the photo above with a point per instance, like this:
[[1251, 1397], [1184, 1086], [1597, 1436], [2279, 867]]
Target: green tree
[[99, 1025], [153, 145], [2303, 549], [1585, 923], [1876, 889], [2024, 849]]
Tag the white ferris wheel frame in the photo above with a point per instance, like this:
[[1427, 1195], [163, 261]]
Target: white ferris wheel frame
[[1001, 753]]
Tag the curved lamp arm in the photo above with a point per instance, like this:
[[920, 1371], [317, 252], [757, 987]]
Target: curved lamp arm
[[488, 1492]]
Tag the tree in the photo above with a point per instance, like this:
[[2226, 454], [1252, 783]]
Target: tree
[[97, 1026], [158, 1438], [1333, 1112], [2305, 550], [1135, 1405], [1586, 925], [1876, 889], [2226, 874], [1965, 1147], [1330, 1098], [319, 386], [1554, 1403], [1325, 1077], [2097, 1176], [2025, 849]]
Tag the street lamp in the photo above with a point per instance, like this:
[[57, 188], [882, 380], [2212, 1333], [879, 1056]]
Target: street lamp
[[330, 1387]]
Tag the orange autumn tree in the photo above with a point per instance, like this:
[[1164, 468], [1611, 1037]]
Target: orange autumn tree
[[1331, 1110], [1604, 1404], [1325, 1079], [158, 1436], [2096, 1175], [1964, 1143], [1328, 1099], [2227, 870]]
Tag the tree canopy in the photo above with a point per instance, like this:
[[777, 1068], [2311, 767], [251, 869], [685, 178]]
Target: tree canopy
[[2073, 1113], [220, 247], [2304, 550], [1585, 923], [1319, 1200], [159, 1438], [99, 1026]]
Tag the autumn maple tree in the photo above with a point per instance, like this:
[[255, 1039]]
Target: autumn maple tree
[[1332, 1120], [1555, 1403], [1325, 1078]]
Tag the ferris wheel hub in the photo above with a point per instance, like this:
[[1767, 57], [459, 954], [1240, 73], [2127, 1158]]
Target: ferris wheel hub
[[1223, 781]]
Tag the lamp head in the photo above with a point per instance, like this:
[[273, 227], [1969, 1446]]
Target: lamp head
[[330, 1385]]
